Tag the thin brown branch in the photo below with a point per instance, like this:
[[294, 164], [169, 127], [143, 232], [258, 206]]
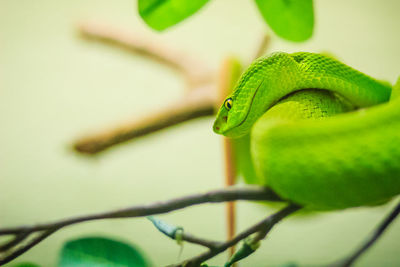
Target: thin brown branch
[[376, 234], [15, 241], [180, 111], [195, 71], [18, 252], [264, 225], [196, 104], [211, 244], [179, 234], [199, 102], [217, 196]]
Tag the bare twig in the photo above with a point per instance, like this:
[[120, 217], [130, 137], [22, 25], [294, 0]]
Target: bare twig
[[18, 252], [196, 104], [211, 244], [201, 101], [223, 195], [371, 240], [264, 225], [15, 241], [179, 234], [195, 71]]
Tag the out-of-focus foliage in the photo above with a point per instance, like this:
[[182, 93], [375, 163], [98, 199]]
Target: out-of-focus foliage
[[290, 19], [98, 251], [161, 14], [26, 264]]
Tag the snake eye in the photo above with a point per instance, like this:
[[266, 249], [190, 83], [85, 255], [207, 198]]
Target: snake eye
[[228, 103]]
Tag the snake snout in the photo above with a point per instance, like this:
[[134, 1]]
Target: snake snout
[[218, 126]]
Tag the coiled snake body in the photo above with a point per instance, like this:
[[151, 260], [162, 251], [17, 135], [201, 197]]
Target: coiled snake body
[[322, 134]]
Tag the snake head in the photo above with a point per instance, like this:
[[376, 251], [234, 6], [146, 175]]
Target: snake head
[[258, 88], [235, 117], [221, 125]]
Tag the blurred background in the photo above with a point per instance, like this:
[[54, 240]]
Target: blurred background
[[55, 87]]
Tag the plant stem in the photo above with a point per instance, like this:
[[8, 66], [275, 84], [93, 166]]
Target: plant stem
[[264, 225], [217, 196], [376, 234]]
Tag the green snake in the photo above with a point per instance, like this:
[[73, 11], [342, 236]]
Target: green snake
[[321, 134]]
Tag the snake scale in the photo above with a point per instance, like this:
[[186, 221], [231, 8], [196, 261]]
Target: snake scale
[[322, 134]]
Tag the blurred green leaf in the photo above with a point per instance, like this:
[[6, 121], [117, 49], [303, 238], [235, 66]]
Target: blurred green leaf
[[289, 265], [100, 252], [161, 14], [290, 19], [26, 264]]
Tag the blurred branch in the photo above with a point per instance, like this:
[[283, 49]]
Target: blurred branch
[[15, 241], [371, 240], [217, 196], [194, 70], [263, 226], [177, 233], [211, 244], [22, 249], [195, 104], [199, 102]]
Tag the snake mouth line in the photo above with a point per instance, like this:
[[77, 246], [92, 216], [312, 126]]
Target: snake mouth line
[[251, 104]]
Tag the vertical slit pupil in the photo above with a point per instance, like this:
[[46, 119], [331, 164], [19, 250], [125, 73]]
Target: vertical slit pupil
[[228, 103]]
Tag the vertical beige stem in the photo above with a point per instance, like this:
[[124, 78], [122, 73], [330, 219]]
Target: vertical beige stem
[[229, 73], [230, 180]]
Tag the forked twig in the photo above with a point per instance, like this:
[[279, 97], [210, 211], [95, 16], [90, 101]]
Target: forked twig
[[194, 70], [375, 235], [201, 100], [196, 104], [265, 226], [217, 196]]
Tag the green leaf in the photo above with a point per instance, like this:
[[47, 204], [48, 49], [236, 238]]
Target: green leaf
[[100, 252], [290, 19], [26, 264], [161, 14]]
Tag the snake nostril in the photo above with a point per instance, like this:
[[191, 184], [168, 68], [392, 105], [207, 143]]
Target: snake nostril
[[217, 128]]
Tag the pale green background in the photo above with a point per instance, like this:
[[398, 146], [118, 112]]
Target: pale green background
[[55, 87]]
